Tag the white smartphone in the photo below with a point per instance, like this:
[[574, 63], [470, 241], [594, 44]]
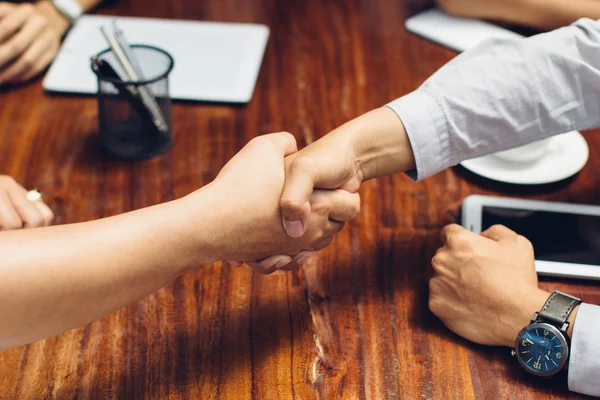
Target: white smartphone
[[565, 237]]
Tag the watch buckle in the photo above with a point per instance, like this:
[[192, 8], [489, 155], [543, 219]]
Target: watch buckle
[[535, 317]]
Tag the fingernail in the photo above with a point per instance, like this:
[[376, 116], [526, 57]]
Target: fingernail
[[235, 263], [293, 228], [303, 258]]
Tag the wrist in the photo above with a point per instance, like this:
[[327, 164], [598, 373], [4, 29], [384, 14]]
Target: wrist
[[56, 20], [530, 304], [380, 143], [194, 221]]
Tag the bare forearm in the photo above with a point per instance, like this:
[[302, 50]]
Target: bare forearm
[[380, 143], [552, 14], [54, 279]]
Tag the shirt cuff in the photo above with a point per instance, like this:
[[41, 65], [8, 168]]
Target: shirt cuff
[[584, 362], [427, 130]]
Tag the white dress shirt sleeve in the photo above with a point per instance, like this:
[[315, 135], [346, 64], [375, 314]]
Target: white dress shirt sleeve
[[584, 363], [503, 93]]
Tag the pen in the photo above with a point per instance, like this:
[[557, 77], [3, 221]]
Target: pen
[[146, 98], [120, 37], [104, 69]]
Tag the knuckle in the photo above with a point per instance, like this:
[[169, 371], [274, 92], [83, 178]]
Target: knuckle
[[497, 228], [288, 204], [435, 305], [41, 21], [447, 231], [438, 261], [354, 207], [258, 141], [34, 221], [453, 241], [287, 135], [28, 62], [319, 205], [523, 242]]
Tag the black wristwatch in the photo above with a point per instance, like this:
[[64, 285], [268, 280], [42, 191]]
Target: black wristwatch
[[542, 347]]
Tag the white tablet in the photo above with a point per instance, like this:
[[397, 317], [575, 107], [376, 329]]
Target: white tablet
[[213, 61], [565, 237], [457, 33]]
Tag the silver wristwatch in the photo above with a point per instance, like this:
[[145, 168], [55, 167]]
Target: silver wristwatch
[[71, 9]]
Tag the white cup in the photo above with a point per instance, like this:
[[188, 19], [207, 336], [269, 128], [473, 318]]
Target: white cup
[[525, 154]]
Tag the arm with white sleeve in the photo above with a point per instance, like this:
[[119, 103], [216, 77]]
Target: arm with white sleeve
[[506, 93], [500, 94]]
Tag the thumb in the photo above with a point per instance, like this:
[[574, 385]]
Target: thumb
[[284, 142], [498, 233], [294, 202]]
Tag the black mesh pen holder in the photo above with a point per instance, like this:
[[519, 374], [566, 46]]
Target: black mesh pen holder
[[134, 115]]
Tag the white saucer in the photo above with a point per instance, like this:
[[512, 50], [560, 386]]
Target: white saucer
[[567, 154]]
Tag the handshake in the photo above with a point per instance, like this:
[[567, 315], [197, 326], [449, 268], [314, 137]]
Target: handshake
[[271, 205], [274, 206]]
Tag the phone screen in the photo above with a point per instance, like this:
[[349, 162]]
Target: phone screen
[[556, 236]]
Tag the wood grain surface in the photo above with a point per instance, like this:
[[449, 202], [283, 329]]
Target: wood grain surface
[[352, 324]]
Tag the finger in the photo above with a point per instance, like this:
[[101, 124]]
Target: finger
[[339, 205], [37, 69], [450, 230], [321, 244], [297, 260], [46, 212], [270, 264], [28, 64], [27, 210], [20, 42], [9, 218], [284, 141], [235, 263], [6, 9], [498, 233], [334, 227], [14, 20]]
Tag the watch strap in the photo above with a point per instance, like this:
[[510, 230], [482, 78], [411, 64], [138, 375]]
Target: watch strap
[[558, 307], [71, 9]]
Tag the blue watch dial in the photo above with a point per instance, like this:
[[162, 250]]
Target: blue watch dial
[[542, 349]]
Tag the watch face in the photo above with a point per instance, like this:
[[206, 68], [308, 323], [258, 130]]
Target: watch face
[[541, 349]]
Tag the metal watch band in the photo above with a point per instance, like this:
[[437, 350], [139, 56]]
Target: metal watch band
[[558, 307]]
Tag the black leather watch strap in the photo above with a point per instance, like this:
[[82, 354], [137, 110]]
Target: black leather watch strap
[[558, 307]]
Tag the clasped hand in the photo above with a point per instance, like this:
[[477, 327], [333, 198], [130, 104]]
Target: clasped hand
[[244, 202], [29, 39]]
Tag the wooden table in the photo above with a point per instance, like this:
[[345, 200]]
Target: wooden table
[[353, 324]]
